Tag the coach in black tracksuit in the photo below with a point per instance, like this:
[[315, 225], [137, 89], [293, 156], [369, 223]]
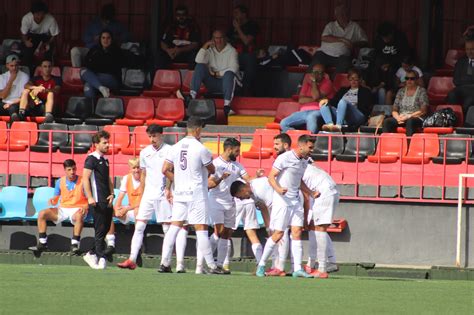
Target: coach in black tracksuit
[[99, 191]]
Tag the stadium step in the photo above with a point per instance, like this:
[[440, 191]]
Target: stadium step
[[249, 120]]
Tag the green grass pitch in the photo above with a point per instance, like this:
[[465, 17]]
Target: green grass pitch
[[36, 289]]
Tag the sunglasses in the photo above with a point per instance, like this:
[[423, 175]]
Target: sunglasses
[[410, 78]]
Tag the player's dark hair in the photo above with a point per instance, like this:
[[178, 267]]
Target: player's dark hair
[[242, 8], [39, 6], [181, 8], [305, 139], [46, 59], [236, 187], [194, 122], [107, 12], [69, 163], [284, 138], [154, 128], [99, 135], [231, 143]]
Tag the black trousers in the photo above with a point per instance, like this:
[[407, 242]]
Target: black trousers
[[411, 125], [463, 95], [102, 215]]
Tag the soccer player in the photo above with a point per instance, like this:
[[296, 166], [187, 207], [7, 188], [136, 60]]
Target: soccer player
[[129, 186], [72, 206], [99, 191], [325, 200], [286, 179], [188, 165]]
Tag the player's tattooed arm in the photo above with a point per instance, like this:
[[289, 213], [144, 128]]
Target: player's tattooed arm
[[214, 181]]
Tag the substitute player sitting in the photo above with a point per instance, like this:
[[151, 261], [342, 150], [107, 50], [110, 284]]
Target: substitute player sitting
[[72, 206]]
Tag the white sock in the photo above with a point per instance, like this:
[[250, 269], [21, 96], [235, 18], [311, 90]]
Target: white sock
[[137, 240], [43, 240], [297, 251], [168, 244], [222, 246], [322, 250], [311, 249], [104, 91], [165, 227], [275, 260], [199, 257], [74, 242], [228, 253], [330, 250], [205, 247], [193, 94], [267, 251], [110, 240], [181, 241], [214, 239], [283, 248], [257, 251], [226, 102]]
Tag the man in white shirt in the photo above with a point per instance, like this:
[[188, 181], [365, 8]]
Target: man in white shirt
[[12, 84], [217, 65], [338, 39], [188, 166]]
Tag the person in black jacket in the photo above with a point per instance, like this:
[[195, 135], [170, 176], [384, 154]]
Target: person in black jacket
[[351, 105], [103, 67], [463, 78]]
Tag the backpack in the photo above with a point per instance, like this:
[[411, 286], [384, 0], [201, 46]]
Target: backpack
[[442, 118]]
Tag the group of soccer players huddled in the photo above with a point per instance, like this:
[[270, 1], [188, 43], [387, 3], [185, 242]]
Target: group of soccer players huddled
[[181, 185]]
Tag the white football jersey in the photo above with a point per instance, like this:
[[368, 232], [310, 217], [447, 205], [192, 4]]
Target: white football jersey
[[151, 160], [291, 169], [221, 193], [190, 158], [262, 190], [318, 180]]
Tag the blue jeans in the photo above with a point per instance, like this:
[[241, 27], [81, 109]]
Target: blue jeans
[[92, 82], [225, 85], [345, 113], [310, 118]]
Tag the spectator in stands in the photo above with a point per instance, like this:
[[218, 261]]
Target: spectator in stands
[[37, 98], [91, 36], [350, 106], [408, 63], [390, 46], [316, 87], [468, 32], [180, 41], [12, 84], [463, 78], [72, 206], [410, 107], [217, 67], [103, 67], [338, 39], [38, 32], [242, 35]]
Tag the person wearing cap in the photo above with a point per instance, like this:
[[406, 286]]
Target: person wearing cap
[[12, 84]]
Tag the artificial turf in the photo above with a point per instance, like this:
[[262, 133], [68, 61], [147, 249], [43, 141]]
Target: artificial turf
[[41, 289]]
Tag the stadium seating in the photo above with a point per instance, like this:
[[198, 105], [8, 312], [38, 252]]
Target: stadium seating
[[133, 82], [457, 150], [72, 83], [438, 89], [390, 147], [295, 134], [310, 49], [22, 135], [77, 110], [446, 130], [452, 56], [106, 111], [327, 145], [13, 200], [171, 135], [57, 138], [3, 132], [56, 71], [119, 137], [80, 140], [168, 112], [340, 80], [203, 108], [41, 199], [262, 144], [422, 148], [165, 84], [284, 109], [139, 109], [138, 142], [187, 84], [357, 147]]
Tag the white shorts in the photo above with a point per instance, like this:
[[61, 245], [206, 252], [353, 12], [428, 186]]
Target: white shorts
[[160, 207], [247, 213], [66, 214], [284, 215], [129, 218], [195, 212], [222, 213], [323, 209]]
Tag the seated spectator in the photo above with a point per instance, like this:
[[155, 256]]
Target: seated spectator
[[242, 35], [410, 107], [338, 39], [38, 32], [37, 98], [72, 206], [316, 87], [103, 67], [390, 46], [350, 106], [408, 63], [12, 84], [216, 67], [463, 78], [180, 42], [468, 32], [91, 36]]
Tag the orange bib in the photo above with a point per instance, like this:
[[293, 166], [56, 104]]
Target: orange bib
[[72, 198], [134, 195]]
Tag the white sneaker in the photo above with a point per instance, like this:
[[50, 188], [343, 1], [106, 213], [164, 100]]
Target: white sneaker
[[231, 113], [104, 91], [200, 270], [91, 260], [332, 267], [180, 268], [101, 265]]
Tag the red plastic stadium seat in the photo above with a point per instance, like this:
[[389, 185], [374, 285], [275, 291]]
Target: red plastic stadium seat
[[3, 132], [438, 89], [5, 118], [165, 83], [168, 112], [138, 142], [295, 134], [72, 82], [337, 225], [22, 135], [119, 137], [447, 130], [284, 109], [139, 109], [297, 69], [179, 65], [423, 147], [56, 71], [187, 84], [340, 80], [452, 56], [262, 144], [391, 146]]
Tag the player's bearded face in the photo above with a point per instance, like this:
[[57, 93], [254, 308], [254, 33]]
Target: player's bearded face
[[278, 147], [305, 149], [155, 139], [234, 153]]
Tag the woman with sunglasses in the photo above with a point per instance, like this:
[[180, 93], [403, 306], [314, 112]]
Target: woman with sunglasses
[[410, 107]]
